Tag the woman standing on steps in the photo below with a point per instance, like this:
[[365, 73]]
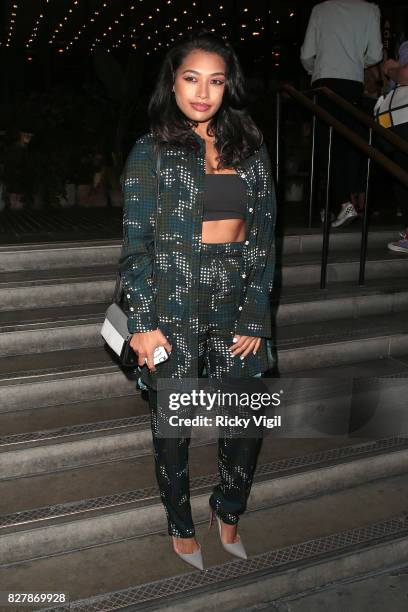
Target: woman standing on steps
[[208, 302]]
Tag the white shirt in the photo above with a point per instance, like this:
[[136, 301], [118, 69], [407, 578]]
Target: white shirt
[[343, 37]]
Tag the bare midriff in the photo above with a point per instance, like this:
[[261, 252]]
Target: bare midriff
[[223, 230]]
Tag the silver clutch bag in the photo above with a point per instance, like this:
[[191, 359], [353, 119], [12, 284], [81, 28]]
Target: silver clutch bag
[[116, 335]]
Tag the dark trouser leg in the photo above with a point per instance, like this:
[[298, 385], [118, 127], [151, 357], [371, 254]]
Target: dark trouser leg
[[171, 466], [400, 191], [237, 459], [347, 161]]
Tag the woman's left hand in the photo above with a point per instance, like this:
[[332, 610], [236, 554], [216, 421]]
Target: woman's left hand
[[244, 345]]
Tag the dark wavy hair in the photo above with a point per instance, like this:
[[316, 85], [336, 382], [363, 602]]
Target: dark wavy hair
[[236, 135]]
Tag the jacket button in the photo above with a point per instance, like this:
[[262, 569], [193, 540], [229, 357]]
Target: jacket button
[[239, 307], [250, 209]]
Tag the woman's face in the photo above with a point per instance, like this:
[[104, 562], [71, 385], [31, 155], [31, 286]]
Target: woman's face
[[199, 85]]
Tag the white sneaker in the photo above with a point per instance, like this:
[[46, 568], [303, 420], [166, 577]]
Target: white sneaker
[[347, 214], [401, 246]]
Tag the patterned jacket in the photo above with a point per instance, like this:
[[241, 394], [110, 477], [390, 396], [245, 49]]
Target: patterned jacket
[[170, 302]]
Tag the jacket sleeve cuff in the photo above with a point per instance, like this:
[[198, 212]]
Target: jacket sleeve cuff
[[142, 322], [251, 323]]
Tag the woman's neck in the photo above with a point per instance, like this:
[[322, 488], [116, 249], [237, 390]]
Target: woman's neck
[[201, 130]]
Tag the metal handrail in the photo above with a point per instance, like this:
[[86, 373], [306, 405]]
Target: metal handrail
[[355, 139], [386, 134], [371, 152]]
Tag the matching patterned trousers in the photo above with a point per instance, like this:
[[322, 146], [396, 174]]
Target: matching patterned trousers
[[220, 286]]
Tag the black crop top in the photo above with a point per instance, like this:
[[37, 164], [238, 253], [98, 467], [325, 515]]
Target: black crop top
[[224, 197]]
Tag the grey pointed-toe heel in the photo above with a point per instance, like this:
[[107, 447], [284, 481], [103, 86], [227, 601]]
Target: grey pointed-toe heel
[[235, 548], [195, 559]]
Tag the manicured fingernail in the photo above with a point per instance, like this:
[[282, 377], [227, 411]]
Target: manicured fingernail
[[241, 357], [254, 352], [235, 339]]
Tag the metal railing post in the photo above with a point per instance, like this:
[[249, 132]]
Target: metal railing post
[[278, 119], [313, 166], [364, 232], [326, 227]]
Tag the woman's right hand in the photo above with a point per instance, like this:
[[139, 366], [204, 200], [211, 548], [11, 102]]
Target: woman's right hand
[[145, 343]]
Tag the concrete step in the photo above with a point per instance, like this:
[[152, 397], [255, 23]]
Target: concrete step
[[30, 289], [67, 376], [114, 428], [310, 240], [36, 440], [78, 326], [60, 377], [384, 367], [291, 547], [349, 340], [384, 589], [65, 327], [344, 266], [107, 475], [39, 451], [48, 255], [308, 303], [121, 511], [35, 424]]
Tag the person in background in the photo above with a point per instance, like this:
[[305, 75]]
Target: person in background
[[391, 66], [373, 84], [343, 37], [391, 111], [19, 184]]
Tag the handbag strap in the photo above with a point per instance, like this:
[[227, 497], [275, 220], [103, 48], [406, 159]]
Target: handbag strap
[[119, 291]]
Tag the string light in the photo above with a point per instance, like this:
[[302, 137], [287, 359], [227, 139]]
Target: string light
[[34, 32], [13, 15], [143, 21], [62, 23], [83, 27], [174, 21]]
